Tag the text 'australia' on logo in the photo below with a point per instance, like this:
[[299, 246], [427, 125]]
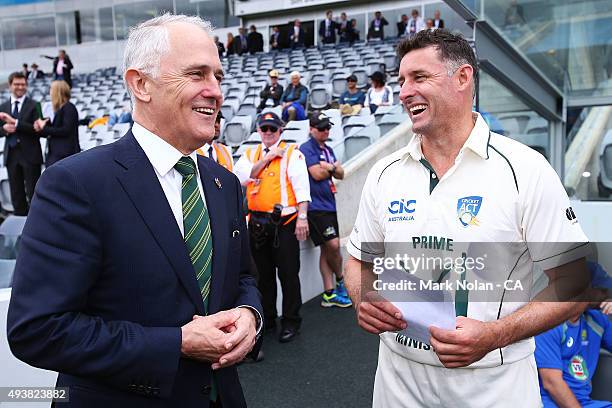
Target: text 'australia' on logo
[[402, 210], [467, 210]]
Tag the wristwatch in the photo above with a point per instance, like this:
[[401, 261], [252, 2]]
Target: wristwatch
[[302, 216]]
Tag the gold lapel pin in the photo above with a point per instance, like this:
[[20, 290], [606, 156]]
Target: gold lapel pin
[[218, 183]]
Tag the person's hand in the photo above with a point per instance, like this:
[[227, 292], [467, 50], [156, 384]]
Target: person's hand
[[207, 338], [606, 307], [377, 315], [242, 339], [326, 166], [301, 229], [40, 124], [5, 117], [468, 343], [275, 152], [9, 128]]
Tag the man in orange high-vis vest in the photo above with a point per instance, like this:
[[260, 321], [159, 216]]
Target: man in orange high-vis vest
[[216, 150], [278, 192]]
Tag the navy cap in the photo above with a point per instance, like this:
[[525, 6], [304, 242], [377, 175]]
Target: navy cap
[[271, 119], [320, 120]]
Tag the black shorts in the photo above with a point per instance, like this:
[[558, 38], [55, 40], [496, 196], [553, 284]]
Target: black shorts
[[323, 226]]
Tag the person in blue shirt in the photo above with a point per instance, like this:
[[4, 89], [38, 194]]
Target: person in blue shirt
[[294, 99], [567, 355], [351, 101], [322, 218]]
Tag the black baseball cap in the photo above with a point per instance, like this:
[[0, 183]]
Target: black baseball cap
[[352, 77], [320, 120], [270, 119]]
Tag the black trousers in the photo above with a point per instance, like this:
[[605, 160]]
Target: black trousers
[[286, 258], [23, 177]]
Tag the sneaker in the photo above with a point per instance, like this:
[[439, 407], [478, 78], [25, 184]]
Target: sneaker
[[335, 300], [341, 289]]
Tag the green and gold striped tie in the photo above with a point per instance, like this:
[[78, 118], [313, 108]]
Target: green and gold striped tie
[[196, 224]]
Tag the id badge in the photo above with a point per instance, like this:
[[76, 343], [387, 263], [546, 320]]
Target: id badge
[[332, 186], [256, 185], [376, 28]]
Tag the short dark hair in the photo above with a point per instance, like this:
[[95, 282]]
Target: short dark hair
[[16, 75], [454, 50]]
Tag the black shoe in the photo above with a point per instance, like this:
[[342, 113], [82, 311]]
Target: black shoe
[[287, 335]]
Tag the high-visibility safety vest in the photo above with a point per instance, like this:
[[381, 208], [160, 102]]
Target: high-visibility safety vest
[[224, 155], [272, 185]]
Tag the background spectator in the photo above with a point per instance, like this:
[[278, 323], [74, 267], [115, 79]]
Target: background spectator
[[272, 93], [352, 100], [124, 116], [567, 355], [354, 34], [415, 23], [254, 41], [345, 28], [402, 26], [296, 38], [63, 133], [294, 99], [322, 216], [62, 67], [438, 22], [229, 45], [36, 73], [327, 29], [241, 44], [275, 39], [377, 27], [379, 94], [220, 47], [22, 152], [429, 24], [25, 70], [514, 14]]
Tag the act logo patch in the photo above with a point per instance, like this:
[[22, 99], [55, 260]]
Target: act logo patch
[[467, 210], [578, 368]]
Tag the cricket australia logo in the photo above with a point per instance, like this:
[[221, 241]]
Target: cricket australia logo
[[467, 210]]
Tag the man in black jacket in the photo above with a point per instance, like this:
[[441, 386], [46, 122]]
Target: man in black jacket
[[377, 27], [327, 29], [254, 41], [62, 67], [22, 152], [274, 91]]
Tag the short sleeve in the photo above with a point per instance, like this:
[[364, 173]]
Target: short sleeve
[[548, 349], [549, 224], [310, 155], [242, 169], [366, 241], [298, 175]]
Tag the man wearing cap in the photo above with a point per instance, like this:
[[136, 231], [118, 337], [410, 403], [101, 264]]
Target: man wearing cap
[[322, 218], [294, 99], [278, 193], [351, 101], [567, 355], [272, 92], [216, 150]]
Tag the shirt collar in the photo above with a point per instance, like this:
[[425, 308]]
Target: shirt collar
[[20, 100], [162, 155], [477, 142], [263, 146]]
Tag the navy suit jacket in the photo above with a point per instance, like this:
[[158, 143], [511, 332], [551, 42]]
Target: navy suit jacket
[[62, 134], [103, 281]]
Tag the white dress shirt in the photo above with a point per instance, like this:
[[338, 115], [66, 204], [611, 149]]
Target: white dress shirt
[[20, 100], [163, 157], [206, 149]]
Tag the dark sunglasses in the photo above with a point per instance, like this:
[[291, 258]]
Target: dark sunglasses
[[268, 129], [323, 128], [351, 80]]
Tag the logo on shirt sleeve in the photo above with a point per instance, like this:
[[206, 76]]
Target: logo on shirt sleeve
[[571, 215], [467, 210]]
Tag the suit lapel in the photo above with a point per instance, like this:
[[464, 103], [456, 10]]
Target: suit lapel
[[142, 186], [216, 205]]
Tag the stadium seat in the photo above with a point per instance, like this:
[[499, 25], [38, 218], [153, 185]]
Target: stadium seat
[[320, 96], [237, 130], [353, 145], [391, 120], [601, 379]]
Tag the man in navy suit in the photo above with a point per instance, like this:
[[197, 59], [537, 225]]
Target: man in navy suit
[[133, 273]]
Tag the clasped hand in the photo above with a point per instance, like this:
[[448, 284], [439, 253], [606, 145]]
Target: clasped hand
[[223, 338], [9, 122], [40, 124]]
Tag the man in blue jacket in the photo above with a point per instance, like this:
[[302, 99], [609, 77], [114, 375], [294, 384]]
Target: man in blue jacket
[[132, 279]]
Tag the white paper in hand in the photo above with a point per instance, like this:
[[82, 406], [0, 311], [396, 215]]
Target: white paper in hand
[[421, 308]]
